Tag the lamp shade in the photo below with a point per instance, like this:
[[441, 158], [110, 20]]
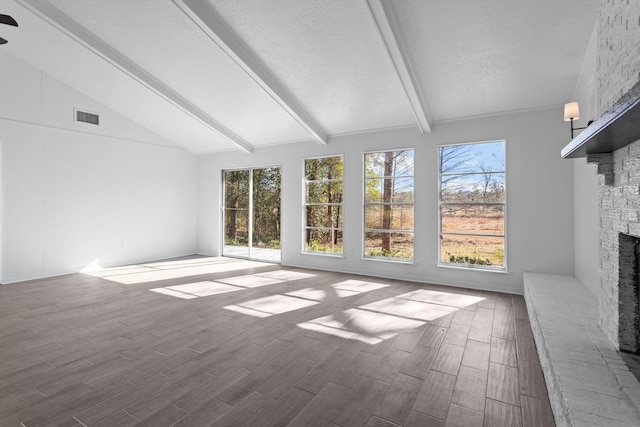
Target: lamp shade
[[571, 111]]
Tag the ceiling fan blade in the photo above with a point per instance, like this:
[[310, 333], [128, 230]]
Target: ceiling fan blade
[[6, 19], [2, 41]]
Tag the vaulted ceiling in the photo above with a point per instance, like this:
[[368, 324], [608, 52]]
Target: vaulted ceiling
[[215, 75]]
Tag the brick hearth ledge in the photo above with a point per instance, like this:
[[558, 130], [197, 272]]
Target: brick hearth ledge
[[588, 382]]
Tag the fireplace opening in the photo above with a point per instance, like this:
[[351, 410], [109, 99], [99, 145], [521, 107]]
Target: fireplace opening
[[628, 303]]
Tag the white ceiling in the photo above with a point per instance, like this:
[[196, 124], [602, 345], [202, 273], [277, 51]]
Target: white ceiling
[[213, 75]]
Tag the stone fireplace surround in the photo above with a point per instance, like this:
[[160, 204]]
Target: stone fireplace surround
[[578, 334]]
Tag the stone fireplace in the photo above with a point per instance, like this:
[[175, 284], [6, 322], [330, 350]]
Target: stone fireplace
[[613, 144], [619, 199]]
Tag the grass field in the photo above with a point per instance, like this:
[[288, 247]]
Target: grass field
[[467, 249]]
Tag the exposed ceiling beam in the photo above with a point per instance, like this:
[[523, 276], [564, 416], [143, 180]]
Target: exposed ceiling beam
[[389, 30], [201, 12], [61, 21]]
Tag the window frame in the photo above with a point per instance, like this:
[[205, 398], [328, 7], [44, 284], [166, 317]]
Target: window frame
[[504, 204], [364, 205], [250, 210], [305, 204]]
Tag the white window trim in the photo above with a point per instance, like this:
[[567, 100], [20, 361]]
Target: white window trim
[[474, 267], [305, 204], [364, 205]]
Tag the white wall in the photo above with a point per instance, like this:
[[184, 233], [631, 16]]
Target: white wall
[[539, 192], [74, 194], [585, 180]]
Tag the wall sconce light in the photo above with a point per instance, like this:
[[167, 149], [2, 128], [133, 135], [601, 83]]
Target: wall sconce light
[[571, 113]]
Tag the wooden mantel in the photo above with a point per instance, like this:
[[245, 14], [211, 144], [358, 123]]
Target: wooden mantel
[[619, 126]]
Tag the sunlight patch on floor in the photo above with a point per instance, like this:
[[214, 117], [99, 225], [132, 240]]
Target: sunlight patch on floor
[[92, 266], [308, 293], [341, 333], [379, 324], [371, 323], [150, 272], [220, 286], [442, 298], [268, 306], [204, 289], [250, 281], [173, 293], [320, 295], [286, 275], [107, 273], [358, 286], [381, 320], [188, 262], [332, 321], [362, 325], [408, 308]]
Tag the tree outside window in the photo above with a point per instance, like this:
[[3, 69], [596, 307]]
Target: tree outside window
[[388, 205]]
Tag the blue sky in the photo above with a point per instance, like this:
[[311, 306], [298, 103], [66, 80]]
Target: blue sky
[[473, 157]]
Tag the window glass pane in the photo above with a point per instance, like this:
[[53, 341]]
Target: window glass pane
[[266, 208], [472, 219], [479, 188], [389, 163], [399, 217], [236, 227], [324, 241], [373, 216], [403, 163], [481, 251], [236, 189], [324, 216], [402, 217], [324, 192], [374, 164], [391, 190], [323, 168], [400, 245], [479, 157]]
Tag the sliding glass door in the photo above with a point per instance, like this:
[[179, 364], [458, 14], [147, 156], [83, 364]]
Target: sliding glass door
[[252, 213]]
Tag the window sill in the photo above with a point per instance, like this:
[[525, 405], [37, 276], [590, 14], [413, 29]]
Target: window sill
[[394, 261], [324, 254], [471, 267]]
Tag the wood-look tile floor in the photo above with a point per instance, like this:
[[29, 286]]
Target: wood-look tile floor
[[218, 341]]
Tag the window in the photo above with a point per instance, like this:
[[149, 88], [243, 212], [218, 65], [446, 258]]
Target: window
[[388, 205], [323, 205], [472, 205]]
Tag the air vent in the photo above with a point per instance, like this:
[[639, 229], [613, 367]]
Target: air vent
[[7, 20], [86, 117]]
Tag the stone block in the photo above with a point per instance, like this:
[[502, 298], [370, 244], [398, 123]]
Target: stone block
[[631, 190], [634, 229], [612, 214], [606, 202], [633, 203], [634, 149]]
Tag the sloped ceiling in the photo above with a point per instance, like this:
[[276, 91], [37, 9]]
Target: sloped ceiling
[[216, 75]]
